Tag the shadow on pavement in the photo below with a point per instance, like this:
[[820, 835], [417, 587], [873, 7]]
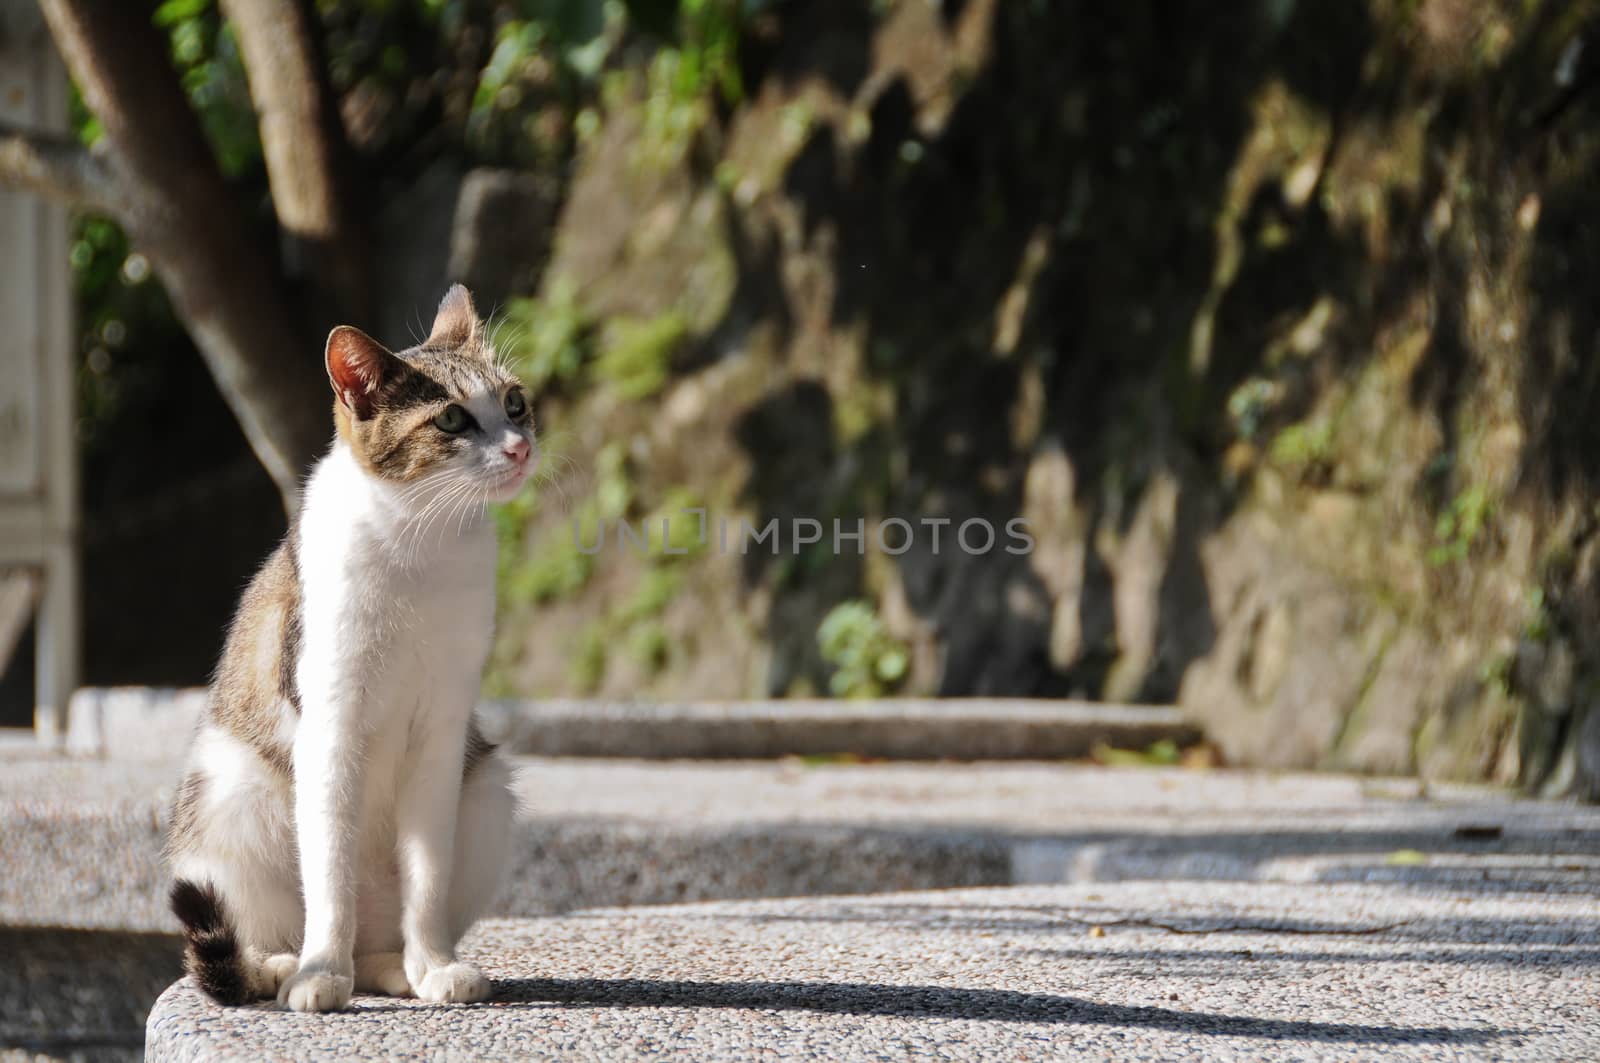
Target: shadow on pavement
[[943, 1002]]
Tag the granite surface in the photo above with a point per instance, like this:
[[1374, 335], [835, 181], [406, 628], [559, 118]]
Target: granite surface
[[1147, 970]]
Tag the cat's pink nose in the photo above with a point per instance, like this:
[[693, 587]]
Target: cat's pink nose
[[517, 449]]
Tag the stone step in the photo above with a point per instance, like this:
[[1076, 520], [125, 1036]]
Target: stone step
[[896, 729], [142, 723], [80, 994], [1150, 970], [82, 838]]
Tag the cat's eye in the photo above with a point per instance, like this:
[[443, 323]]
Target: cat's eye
[[516, 404], [452, 419]]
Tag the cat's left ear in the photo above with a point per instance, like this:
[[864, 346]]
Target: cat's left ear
[[358, 365], [456, 324]]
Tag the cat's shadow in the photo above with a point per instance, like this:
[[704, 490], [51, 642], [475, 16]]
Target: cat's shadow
[[940, 1003]]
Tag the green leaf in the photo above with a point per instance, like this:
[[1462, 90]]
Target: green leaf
[[1406, 858], [172, 12], [892, 665]]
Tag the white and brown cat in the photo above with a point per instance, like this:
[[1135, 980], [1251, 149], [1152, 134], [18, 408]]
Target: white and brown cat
[[343, 822]]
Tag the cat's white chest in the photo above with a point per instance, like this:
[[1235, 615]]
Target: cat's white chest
[[408, 618], [437, 629]]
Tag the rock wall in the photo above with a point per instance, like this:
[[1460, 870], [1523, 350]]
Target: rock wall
[[1275, 320]]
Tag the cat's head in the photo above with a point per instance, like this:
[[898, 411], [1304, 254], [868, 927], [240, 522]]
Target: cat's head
[[442, 415]]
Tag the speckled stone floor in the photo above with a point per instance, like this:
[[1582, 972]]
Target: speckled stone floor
[[1147, 971]]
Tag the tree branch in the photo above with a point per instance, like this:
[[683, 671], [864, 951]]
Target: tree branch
[[60, 169], [225, 288]]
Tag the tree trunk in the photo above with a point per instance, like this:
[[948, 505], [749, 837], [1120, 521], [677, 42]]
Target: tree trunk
[[306, 154], [178, 210]]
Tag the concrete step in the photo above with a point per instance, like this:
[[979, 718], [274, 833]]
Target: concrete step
[[81, 843], [82, 838], [80, 994], [1152, 970], [142, 723]]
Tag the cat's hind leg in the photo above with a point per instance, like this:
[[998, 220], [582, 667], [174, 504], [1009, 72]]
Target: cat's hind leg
[[379, 953], [482, 828], [483, 841], [223, 968], [275, 970], [383, 972], [233, 854]]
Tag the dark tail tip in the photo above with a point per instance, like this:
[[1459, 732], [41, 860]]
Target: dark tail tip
[[211, 950]]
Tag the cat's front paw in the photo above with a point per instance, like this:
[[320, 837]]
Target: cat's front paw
[[316, 989], [454, 983]]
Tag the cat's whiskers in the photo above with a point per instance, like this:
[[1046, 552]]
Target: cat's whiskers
[[413, 492], [410, 538], [417, 527], [438, 515], [465, 510], [546, 477], [450, 512], [476, 497], [497, 334], [466, 494]]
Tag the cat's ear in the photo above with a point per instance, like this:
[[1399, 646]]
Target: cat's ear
[[358, 365], [456, 324]]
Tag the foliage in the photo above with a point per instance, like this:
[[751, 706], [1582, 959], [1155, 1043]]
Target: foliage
[[1162, 753], [867, 661], [710, 47], [589, 665], [672, 117], [636, 353], [548, 339], [655, 592], [1539, 626], [543, 64], [560, 568], [213, 76], [681, 530], [1303, 444], [552, 340], [562, 563], [1459, 526], [686, 80], [500, 82], [1496, 674], [635, 624]]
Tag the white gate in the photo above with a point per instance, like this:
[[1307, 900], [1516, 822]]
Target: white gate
[[38, 459]]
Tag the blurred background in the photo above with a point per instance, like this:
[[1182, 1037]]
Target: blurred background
[[1276, 319]]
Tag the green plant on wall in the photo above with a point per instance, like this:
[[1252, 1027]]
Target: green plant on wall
[[1307, 444], [548, 339], [697, 69], [867, 661], [560, 563], [636, 353], [1459, 526]]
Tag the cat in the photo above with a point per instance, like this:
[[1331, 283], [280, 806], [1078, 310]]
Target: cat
[[343, 820]]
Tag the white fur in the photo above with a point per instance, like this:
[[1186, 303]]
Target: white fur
[[393, 859]]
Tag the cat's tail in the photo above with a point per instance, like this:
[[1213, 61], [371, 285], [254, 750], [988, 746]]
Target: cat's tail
[[211, 953]]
